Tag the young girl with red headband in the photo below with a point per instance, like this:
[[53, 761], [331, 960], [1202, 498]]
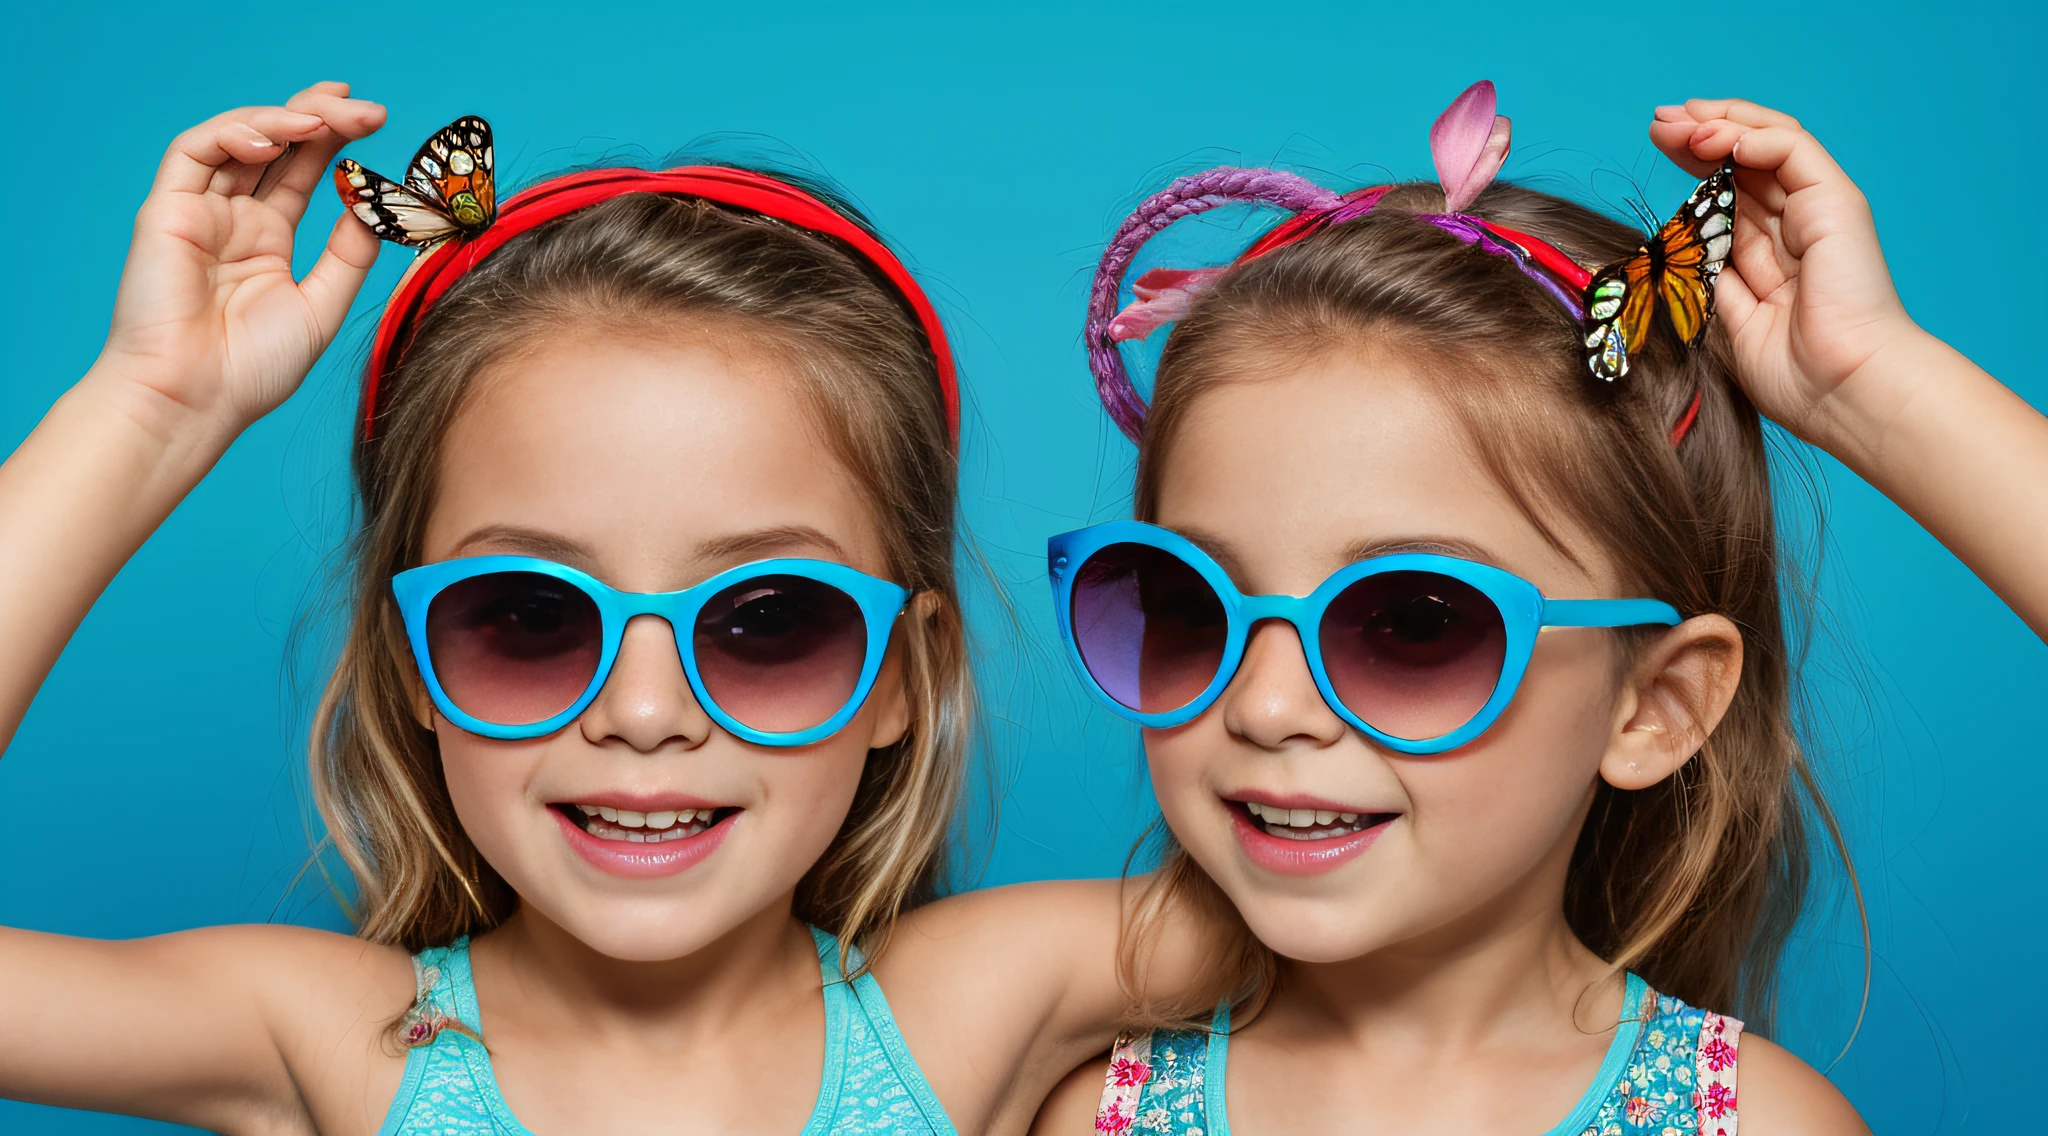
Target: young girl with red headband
[[1453, 612], [651, 713]]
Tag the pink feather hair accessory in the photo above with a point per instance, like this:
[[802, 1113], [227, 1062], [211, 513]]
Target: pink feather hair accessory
[[1469, 142], [1164, 296]]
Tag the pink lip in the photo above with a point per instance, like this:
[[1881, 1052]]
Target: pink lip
[[1286, 857], [645, 861]]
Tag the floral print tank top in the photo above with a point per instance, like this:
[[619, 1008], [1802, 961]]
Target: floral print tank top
[[870, 1085], [1670, 1071]]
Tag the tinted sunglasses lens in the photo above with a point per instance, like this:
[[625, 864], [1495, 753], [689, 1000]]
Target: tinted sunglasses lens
[[1150, 629], [1413, 654], [514, 648], [781, 653]]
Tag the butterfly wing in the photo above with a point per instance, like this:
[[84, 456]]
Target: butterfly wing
[[454, 170], [1695, 245], [392, 211], [1619, 306]]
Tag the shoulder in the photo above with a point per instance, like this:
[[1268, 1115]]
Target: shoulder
[[1779, 1093], [312, 988], [305, 960], [1070, 1109], [1033, 927], [1058, 900]]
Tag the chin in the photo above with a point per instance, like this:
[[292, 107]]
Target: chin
[[645, 930], [1320, 930]]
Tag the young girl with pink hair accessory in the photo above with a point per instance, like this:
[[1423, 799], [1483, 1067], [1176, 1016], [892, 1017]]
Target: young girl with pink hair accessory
[[1455, 614]]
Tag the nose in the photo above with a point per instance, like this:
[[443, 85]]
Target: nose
[[1273, 701], [646, 701]]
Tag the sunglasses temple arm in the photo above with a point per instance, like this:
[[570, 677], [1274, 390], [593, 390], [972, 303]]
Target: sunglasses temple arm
[[1608, 613]]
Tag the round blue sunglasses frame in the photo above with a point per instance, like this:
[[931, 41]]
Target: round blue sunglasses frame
[[1524, 612], [880, 603]]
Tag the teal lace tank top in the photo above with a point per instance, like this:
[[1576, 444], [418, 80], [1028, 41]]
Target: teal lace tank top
[[870, 1084], [1670, 1069]]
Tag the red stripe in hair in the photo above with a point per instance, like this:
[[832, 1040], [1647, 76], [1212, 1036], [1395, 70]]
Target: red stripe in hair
[[1685, 421]]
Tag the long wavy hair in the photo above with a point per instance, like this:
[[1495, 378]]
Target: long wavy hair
[[650, 260]]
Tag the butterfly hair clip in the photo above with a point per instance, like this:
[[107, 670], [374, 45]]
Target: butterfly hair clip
[[1672, 272], [449, 192]]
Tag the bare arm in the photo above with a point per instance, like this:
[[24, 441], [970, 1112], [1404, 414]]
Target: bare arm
[[1824, 347], [210, 331], [219, 1028]]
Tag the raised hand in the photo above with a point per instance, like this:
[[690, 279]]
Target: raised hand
[[1823, 346], [1806, 299], [209, 315]]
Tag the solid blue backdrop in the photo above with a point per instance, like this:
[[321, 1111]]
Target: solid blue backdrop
[[158, 782]]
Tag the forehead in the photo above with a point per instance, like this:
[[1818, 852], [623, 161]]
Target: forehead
[[645, 457], [1291, 474]]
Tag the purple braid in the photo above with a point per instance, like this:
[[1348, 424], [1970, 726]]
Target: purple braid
[[1467, 228], [1196, 193]]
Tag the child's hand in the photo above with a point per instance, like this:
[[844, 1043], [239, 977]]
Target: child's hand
[[208, 314], [1806, 297]]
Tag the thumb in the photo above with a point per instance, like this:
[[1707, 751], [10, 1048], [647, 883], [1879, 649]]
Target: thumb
[[338, 275], [1734, 302]]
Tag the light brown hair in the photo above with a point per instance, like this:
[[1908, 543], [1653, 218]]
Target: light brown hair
[[1695, 882], [653, 263]]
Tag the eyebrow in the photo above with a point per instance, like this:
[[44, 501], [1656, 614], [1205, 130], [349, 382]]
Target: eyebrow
[[527, 542], [1219, 549], [778, 539], [1440, 546], [737, 547]]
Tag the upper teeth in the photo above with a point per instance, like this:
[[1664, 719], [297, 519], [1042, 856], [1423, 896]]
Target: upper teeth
[[627, 818], [1298, 818]]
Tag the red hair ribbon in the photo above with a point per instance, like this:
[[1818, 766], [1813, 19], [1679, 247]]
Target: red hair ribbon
[[534, 207]]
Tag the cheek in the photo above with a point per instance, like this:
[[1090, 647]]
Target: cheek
[[487, 784], [1500, 805]]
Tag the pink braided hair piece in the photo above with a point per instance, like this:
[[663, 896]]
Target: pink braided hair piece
[[1197, 193]]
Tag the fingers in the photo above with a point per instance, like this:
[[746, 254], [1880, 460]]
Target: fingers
[[1734, 300], [336, 277], [249, 136], [291, 182], [1740, 111], [1798, 157], [214, 155], [1671, 131]]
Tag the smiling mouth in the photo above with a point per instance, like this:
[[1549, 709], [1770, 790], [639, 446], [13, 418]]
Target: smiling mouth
[[628, 827], [1309, 824]]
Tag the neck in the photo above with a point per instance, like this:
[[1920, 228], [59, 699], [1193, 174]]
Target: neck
[[1511, 966], [769, 955]]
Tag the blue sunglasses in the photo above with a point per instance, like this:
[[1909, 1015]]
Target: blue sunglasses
[[778, 652], [1420, 652]]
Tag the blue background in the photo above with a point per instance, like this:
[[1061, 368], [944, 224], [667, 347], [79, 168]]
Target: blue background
[[1000, 148]]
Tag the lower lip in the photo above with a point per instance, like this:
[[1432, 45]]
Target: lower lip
[[1286, 857], [644, 861]]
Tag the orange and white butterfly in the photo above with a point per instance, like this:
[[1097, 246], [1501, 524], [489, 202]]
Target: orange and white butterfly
[[1672, 272], [449, 189]]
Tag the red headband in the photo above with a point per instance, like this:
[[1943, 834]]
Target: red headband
[[534, 207]]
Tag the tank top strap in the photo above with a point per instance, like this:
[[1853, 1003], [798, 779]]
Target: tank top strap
[[1678, 1073], [871, 1082], [1168, 1082], [448, 1086]]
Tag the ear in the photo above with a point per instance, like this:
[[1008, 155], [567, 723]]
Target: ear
[[891, 695], [1676, 692]]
